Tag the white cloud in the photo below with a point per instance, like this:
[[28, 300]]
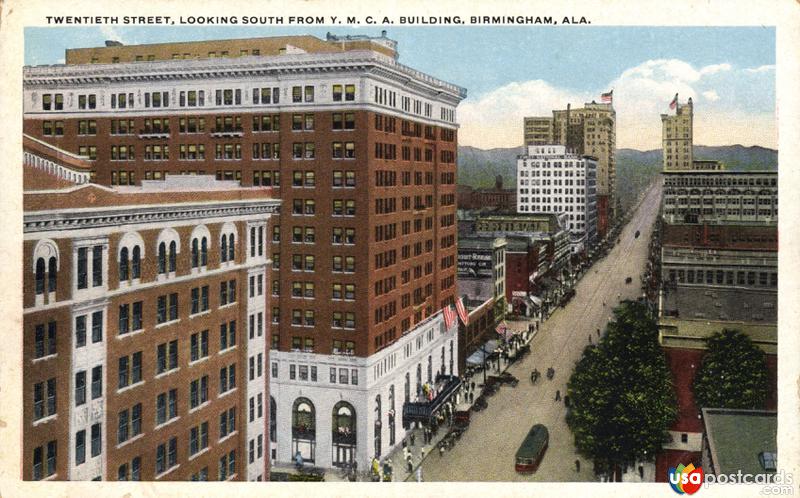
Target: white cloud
[[715, 68], [761, 69], [111, 33], [495, 119], [641, 94]]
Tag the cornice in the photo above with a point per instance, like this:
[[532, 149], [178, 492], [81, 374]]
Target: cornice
[[203, 69], [66, 219]]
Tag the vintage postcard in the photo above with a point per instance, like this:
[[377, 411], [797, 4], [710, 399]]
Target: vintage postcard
[[317, 245]]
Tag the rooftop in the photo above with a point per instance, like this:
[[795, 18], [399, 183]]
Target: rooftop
[[737, 437]]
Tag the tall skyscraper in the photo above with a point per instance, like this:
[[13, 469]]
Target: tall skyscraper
[[676, 137], [590, 130], [361, 151]]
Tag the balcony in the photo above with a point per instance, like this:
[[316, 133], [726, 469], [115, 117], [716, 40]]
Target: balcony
[[425, 411]]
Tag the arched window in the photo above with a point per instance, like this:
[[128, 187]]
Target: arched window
[[123, 264], [303, 429], [378, 426], [52, 274], [444, 372], [430, 369], [162, 257], [173, 253], [231, 247], [136, 262], [195, 253], [223, 249], [40, 276], [408, 387], [344, 433], [204, 252]]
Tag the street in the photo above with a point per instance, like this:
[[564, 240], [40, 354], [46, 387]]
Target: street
[[486, 451]]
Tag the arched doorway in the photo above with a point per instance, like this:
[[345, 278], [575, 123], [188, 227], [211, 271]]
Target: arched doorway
[[344, 433], [304, 439]]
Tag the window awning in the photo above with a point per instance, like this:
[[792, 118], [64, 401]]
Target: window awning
[[484, 351]]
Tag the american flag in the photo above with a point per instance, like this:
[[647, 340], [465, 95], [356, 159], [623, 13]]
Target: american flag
[[449, 316], [607, 97], [674, 102], [462, 311], [501, 329]]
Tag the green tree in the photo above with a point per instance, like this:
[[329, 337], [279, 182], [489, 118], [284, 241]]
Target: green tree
[[621, 397], [733, 374]]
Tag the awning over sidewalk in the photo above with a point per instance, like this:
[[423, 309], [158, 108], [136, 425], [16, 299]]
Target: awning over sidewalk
[[536, 300], [424, 411], [484, 351]]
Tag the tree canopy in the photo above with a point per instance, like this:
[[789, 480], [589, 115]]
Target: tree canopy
[[621, 396], [733, 373]]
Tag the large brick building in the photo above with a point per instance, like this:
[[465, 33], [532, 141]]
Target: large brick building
[[360, 149], [144, 313]]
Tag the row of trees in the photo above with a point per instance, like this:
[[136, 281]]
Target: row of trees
[[622, 398]]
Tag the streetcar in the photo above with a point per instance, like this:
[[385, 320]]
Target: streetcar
[[533, 447]]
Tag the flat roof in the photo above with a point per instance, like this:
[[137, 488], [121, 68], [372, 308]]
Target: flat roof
[[736, 437]]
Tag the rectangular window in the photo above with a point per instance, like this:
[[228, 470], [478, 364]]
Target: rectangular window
[[80, 447], [96, 440]]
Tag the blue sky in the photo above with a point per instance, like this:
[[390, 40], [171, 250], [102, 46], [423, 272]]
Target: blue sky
[[510, 72]]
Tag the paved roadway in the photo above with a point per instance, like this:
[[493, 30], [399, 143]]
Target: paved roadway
[[486, 451]]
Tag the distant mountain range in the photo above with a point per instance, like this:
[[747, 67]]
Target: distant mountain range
[[635, 169]]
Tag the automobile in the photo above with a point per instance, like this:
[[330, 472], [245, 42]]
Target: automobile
[[532, 450], [628, 280]]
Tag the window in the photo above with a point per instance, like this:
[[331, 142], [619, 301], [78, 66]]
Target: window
[[227, 466], [227, 292], [96, 440], [130, 370], [130, 317], [129, 423], [40, 391], [198, 345], [80, 447], [166, 456], [80, 388], [167, 357], [227, 335], [166, 406], [198, 392], [199, 299], [227, 422], [227, 378], [198, 438], [97, 382]]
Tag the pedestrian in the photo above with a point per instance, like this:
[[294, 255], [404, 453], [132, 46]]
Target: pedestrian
[[598, 332], [412, 439], [558, 396], [577, 465], [422, 455], [472, 385], [471, 397], [441, 450], [409, 466]]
